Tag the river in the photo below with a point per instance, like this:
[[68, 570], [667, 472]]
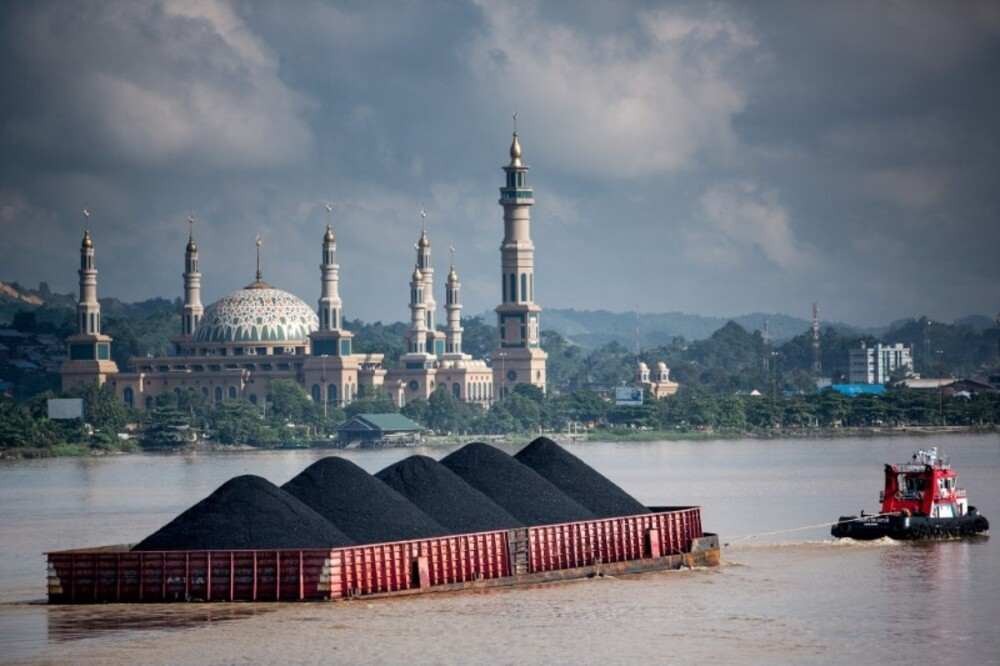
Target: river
[[790, 597]]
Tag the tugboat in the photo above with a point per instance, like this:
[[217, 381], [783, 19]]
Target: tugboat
[[921, 500]]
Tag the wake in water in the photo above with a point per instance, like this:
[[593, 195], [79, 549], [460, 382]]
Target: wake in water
[[813, 543]]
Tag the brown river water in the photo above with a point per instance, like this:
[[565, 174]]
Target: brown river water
[[792, 597]]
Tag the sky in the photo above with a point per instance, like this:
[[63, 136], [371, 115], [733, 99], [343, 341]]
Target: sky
[[712, 158]]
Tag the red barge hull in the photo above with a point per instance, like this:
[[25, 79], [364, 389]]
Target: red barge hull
[[668, 538]]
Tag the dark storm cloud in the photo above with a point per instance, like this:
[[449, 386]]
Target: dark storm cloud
[[714, 158]]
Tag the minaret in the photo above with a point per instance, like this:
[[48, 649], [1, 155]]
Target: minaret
[[329, 300], [453, 306], [193, 309], [519, 359], [417, 335], [331, 370], [89, 352], [435, 338], [331, 339], [88, 309]]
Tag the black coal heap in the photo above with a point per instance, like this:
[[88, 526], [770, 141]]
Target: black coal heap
[[514, 486], [445, 497], [360, 505], [578, 479], [246, 512]]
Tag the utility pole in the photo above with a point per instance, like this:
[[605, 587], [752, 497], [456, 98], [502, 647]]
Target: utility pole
[[766, 335], [817, 359]]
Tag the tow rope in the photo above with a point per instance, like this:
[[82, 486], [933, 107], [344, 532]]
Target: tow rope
[[809, 527]]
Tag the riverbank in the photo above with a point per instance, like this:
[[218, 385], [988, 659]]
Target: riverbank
[[602, 435], [623, 435]]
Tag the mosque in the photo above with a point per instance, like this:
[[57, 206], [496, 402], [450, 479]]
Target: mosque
[[237, 346]]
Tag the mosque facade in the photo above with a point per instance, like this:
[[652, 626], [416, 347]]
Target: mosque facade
[[234, 348]]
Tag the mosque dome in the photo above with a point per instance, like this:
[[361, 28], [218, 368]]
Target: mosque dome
[[257, 314]]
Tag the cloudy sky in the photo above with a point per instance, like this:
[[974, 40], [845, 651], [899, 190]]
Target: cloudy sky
[[710, 158]]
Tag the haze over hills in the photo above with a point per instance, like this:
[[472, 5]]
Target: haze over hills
[[593, 328]]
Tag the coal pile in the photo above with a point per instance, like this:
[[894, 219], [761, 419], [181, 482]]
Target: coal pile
[[579, 480], [363, 507], [246, 512], [516, 487], [445, 497]]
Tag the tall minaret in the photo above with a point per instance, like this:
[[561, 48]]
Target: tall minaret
[[193, 309], [453, 306], [435, 339], [89, 352], [417, 335], [88, 309], [427, 270], [331, 340], [329, 299], [520, 359]]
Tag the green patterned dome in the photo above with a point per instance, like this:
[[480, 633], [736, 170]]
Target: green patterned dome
[[258, 313]]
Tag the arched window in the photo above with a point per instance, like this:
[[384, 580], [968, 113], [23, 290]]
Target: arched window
[[218, 394], [232, 393], [128, 396], [513, 287], [331, 393], [456, 390], [524, 286], [253, 398], [316, 391]]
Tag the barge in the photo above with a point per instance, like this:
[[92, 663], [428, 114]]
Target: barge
[[666, 538]]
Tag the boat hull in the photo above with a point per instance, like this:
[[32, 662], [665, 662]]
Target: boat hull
[[908, 528]]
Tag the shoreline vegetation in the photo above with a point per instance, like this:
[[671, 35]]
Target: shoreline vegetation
[[289, 419], [597, 437]]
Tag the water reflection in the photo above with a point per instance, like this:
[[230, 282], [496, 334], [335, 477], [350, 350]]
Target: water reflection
[[69, 623]]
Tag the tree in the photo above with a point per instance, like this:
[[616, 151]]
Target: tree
[[290, 403], [416, 410], [167, 426], [238, 422], [102, 409]]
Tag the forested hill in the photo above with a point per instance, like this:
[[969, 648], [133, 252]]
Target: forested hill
[[594, 328]]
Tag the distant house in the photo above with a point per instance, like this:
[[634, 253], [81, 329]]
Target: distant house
[[372, 429], [926, 383], [969, 387]]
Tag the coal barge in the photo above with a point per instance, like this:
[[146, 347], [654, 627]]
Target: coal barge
[[328, 534], [921, 500]]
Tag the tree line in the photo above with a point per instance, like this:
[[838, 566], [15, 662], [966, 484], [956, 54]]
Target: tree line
[[290, 418]]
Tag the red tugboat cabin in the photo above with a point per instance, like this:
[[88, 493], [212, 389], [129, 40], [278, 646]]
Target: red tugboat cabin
[[925, 486]]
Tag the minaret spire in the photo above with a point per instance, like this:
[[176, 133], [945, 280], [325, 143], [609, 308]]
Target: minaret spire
[[88, 309], [330, 306], [423, 247], [453, 306], [193, 310], [260, 276]]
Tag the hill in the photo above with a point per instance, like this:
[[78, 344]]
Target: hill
[[595, 328]]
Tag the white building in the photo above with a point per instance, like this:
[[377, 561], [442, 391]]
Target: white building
[[876, 364]]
